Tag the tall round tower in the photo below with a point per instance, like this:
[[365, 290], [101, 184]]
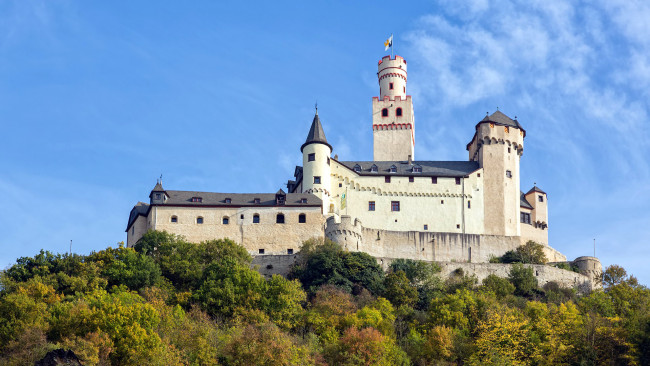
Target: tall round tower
[[393, 124], [316, 153]]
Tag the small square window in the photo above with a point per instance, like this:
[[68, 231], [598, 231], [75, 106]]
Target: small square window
[[371, 205], [411, 179], [199, 220], [340, 185], [157, 196], [174, 219], [434, 180], [311, 157], [478, 175], [394, 205], [540, 198], [228, 200], [508, 174], [256, 219], [387, 179], [316, 180], [260, 251], [303, 200], [302, 218], [457, 180], [225, 220], [289, 251], [426, 227], [458, 226]]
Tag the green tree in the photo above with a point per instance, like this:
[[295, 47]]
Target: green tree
[[125, 267], [501, 287], [523, 279], [399, 290], [424, 276]]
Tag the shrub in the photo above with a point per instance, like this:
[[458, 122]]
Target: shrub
[[523, 279]]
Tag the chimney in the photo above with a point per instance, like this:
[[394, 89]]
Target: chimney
[[410, 160]]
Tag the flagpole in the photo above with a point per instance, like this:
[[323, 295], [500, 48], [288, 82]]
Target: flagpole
[[392, 43]]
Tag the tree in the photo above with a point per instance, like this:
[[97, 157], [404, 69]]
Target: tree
[[125, 266], [523, 279], [424, 276], [399, 290], [501, 287], [366, 347], [530, 253]]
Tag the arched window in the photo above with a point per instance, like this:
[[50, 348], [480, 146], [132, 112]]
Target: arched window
[[373, 168], [393, 169], [199, 220], [398, 112], [174, 218], [279, 219], [256, 219], [225, 220], [302, 218], [384, 112], [357, 168]]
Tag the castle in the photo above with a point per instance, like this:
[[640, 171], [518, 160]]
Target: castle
[[391, 207]]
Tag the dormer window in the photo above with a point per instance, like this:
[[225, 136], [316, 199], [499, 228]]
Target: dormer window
[[303, 200], [256, 201], [228, 200], [280, 198], [393, 169], [197, 199], [157, 196], [540, 198], [417, 169], [384, 112], [357, 168], [374, 169], [398, 112]]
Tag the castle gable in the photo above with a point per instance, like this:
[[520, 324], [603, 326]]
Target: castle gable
[[403, 168]]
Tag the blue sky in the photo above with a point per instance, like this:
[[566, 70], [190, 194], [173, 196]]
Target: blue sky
[[97, 99]]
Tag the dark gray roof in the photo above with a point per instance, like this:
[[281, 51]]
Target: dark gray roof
[[535, 189], [523, 202], [429, 168], [316, 134], [501, 119], [184, 198], [158, 187], [140, 209]]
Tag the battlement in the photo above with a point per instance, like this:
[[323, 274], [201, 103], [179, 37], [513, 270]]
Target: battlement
[[395, 58], [347, 232], [395, 98]]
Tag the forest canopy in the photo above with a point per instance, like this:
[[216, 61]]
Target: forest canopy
[[170, 302]]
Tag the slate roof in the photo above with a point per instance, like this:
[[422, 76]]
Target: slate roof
[[184, 198], [316, 134], [523, 202], [140, 209], [501, 119], [429, 168], [535, 189]]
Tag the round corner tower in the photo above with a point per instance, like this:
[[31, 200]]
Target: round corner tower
[[393, 124], [316, 153]]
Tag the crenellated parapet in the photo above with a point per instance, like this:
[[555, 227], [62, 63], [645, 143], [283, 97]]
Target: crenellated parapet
[[347, 231], [590, 266]]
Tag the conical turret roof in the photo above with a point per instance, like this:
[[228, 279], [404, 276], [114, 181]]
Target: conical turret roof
[[316, 134]]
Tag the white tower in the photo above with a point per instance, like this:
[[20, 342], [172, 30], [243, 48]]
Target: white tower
[[393, 124], [316, 153]]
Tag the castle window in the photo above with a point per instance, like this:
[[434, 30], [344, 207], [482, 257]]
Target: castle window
[[340, 185], [302, 218], [434, 180], [508, 174], [458, 226], [357, 168], [384, 112], [174, 218], [256, 201], [417, 169], [199, 220], [469, 204], [260, 251], [279, 219], [289, 251], [442, 202], [157, 196], [394, 205], [478, 175], [457, 180], [311, 157], [316, 180], [398, 112], [426, 227], [373, 168], [387, 179], [328, 160], [540, 198], [256, 219], [303, 200], [506, 129], [225, 220], [525, 218], [393, 169], [508, 149], [411, 179], [390, 86], [228, 200], [371, 205], [404, 89], [241, 216], [197, 199]]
